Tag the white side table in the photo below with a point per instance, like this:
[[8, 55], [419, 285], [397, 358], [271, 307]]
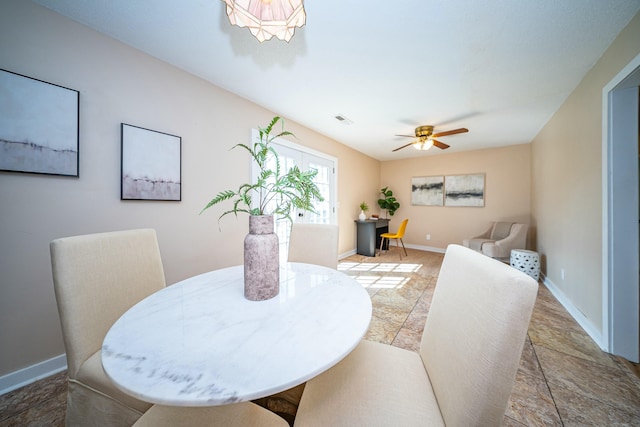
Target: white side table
[[526, 261]]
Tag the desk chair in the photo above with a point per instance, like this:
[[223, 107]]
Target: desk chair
[[314, 244], [397, 237], [96, 278], [465, 367]]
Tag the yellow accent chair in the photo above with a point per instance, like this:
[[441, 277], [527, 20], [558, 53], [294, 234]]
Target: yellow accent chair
[[395, 236]]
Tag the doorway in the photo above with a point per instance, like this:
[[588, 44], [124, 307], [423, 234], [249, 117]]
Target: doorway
[[621, 213]]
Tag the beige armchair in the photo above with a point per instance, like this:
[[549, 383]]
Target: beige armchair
[[465, 367], [498, 240]]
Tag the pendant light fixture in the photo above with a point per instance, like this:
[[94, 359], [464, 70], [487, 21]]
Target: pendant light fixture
[[267, 18]]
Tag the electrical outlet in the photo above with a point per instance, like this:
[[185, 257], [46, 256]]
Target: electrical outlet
[[428, 236]]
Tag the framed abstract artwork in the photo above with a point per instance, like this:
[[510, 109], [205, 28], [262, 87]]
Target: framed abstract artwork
[[151, 165], [39, 126], [427, 190], [464, 190]]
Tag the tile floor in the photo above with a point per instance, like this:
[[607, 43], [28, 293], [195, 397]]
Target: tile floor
[[564, 378]]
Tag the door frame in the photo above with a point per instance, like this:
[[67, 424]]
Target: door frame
[[620, 293]]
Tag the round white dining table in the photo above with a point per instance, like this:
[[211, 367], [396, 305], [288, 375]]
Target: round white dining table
[[199, 342]]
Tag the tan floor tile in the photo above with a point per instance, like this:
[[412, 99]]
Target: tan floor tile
[[579, 410], [32, 395], [589, 380], [529, 361], [381, 330], [391, 310], [46, 413], [552, 315], [531, 403], [415, 321], [407, 339], [568, 341], [510, 422], [631, 370]]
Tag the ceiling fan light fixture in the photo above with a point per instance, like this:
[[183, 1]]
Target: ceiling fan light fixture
[[426, 137], [423, 145], [267, 18]]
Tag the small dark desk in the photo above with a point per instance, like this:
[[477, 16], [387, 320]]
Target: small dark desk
[[369, 232]]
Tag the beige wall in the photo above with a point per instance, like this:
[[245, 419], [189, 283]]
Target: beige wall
[[119, 84], [567, 185], [507, 193]]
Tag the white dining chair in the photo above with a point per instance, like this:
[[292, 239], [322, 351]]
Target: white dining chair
[[244, 414], [462, 374], [96, 278], [314, 244]]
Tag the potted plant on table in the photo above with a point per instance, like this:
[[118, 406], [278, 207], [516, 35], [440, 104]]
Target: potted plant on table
[[388, 201], [275, 192], [363, 208]]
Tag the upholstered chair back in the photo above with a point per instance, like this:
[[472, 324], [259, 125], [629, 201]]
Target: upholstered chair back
[[314, 244], [97, 278], [402, 228], [474, 335]]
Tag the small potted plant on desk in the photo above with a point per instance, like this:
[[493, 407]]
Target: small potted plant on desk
[[363, 208], [277, 193]]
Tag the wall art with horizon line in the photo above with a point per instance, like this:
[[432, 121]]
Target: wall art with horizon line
[[39, 126], [427, 190], [151, 165], [464, 190]]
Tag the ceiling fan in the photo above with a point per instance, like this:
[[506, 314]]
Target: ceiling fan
[[426, 137]]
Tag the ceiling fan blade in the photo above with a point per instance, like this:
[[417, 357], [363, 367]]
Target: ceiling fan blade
[[450, 132], [408, 136], [404, 146], [440, 144]]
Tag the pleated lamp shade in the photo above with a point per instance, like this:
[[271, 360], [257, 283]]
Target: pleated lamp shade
[[267, 18]]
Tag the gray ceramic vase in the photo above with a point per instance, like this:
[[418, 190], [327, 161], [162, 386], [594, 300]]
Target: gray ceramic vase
[[261, 259]]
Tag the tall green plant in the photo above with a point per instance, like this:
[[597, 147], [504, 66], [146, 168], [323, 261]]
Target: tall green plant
[[276, 193], [388, 202]]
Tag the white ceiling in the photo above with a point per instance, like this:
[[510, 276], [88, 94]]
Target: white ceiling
[[500, 68]]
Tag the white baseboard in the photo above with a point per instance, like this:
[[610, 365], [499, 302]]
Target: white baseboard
[[346, 254], [425, 248], [582, 320], [32, 373], [408, 245]]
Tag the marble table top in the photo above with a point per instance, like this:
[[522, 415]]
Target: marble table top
[[199, 342]]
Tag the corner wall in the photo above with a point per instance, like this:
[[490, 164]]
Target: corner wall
[[567, 188], [507, 194], [120, 84]]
